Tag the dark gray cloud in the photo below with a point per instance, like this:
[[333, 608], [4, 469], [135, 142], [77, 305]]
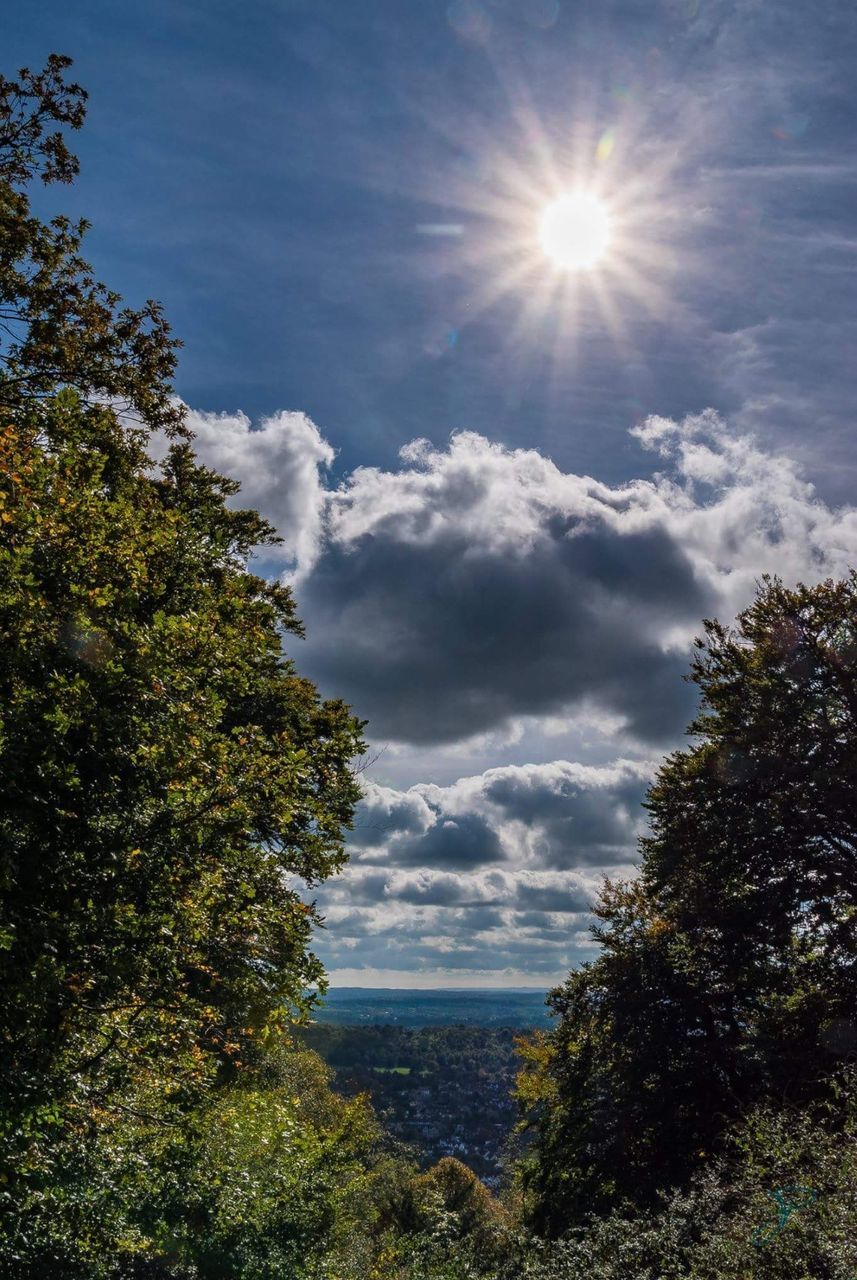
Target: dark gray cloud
[[405, 827], [432, 890], [579, 823], [441, 640], [552, 816], [467, 840], [477, 585], [537, 899]]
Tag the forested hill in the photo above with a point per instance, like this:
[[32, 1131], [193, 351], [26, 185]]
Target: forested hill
[[439, 1065], [444, 1091], [367, 1006]]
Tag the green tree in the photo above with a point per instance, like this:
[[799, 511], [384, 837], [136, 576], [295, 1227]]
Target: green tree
[[270, 1176], [783, 1205], [167, 780], [449, 1202], [448, 1225], [727, 968], [276, 1176], [59, 326]]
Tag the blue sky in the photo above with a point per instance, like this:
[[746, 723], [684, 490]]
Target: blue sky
[[337, 201]]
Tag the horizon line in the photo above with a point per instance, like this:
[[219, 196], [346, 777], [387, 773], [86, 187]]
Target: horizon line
[[482, 990]]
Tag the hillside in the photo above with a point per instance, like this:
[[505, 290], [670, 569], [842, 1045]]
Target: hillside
[[444, 1091]]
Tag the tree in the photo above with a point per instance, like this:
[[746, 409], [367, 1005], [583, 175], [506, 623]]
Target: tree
[[448, 1225], [448, 1201], [167, 779], [276, 1175], [270, 1175], [726, 969], [783, 1205], [58, 325]]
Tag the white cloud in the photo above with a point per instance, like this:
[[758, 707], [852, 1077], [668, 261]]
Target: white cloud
[[739, 510], [278, 463]]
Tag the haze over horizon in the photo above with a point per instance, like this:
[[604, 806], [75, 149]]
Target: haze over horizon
[[512, 474]]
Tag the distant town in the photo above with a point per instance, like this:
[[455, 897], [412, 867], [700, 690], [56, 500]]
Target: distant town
[[443, 1091]]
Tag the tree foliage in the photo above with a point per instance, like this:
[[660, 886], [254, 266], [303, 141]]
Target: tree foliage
[[270, 1175], [164, 769], [276, 1176], [59, 326], [781, 1202], [167, 779], [726, 969]]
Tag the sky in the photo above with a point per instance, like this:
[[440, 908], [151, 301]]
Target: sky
[[509, 490]]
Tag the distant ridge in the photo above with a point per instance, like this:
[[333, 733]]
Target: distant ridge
[[518, 1007], [433, 991]]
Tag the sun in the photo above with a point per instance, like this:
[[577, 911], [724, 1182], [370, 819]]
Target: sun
[[574, 230]]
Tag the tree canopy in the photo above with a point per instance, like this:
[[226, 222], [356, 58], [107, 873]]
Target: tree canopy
[[726, 973], [59, 326], [168, 782]]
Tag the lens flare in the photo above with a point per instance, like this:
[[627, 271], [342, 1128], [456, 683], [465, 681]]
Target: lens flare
[[574, 230]]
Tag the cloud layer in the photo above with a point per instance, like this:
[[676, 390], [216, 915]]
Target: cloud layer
[[476, 588], [476, 584], [496, 871], [555, 816]]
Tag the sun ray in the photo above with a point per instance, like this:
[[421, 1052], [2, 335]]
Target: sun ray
[[571, 226]]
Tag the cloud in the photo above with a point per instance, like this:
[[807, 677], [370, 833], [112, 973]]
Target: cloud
[[481, 590], [476, 584], [467, 840], [384, 810], [446, 948], [278, 463], [512, 889], [500, 868], [556, 815], [571, 815]]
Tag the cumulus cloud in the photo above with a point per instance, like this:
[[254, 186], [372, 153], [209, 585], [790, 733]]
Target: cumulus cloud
[[477, 584], [740, 511], [501, 867], [384, 810], [516, 889], [431, 938], [475, 588], [556, 815], [279, 464]]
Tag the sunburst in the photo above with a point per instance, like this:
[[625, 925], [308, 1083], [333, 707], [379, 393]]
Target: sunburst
[[574, 230], [569, 238]]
